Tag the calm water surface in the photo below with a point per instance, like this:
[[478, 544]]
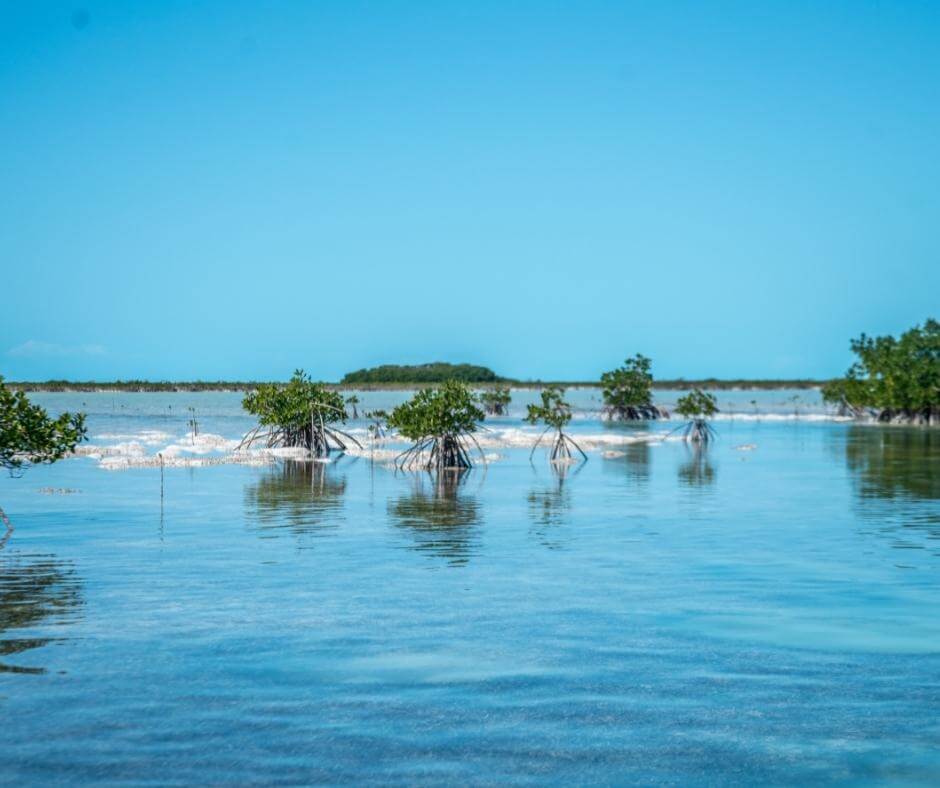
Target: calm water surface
[[663, 616]]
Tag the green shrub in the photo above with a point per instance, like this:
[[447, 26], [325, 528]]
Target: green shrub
[[697, 406], [496, 400], [301, 413], [627, 390], [894, 379], [439, 421], [555, 413]]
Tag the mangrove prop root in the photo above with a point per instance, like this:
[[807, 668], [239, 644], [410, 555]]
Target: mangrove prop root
[[561, 448], [636, 413], [698, 431], [315, 437], [436, 452]]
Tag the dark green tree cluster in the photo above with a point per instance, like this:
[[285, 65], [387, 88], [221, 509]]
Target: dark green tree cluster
[[555, 413], [440, 421], [438, 372], [697, 406], [496, 400], [894, 379], [302, 413], [628, 391], [29, 436]]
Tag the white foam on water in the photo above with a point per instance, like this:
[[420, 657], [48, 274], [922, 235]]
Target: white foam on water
[[146, 437]]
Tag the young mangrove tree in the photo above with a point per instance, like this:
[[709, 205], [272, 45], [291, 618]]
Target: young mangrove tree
[[628, 393], [496, 400], [440, 421], [697, 406], [555, 413], [301, 413]]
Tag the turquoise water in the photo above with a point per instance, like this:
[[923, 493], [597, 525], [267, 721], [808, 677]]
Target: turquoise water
[[764, 610]]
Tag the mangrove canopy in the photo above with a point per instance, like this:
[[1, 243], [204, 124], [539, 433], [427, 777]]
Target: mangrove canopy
[[894, 379], [628, 391], [440, 421], [301, 413]]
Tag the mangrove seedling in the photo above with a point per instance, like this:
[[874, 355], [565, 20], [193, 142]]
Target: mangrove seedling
[[627, 391], [301, 413], [440, 422], [351, 402], [555, 413], [496, 400], [193, 424], [29, 436], [377, 421], [697, 406]]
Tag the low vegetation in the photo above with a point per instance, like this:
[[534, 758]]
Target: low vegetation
[[29, 436], [555, 413], [627, 391], [894, 379], [440, 422], [301, 413], [697, 406]]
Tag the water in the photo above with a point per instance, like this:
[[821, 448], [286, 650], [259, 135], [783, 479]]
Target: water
[[763, 610]]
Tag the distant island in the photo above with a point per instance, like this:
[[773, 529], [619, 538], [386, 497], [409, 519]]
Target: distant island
[[436, 372]]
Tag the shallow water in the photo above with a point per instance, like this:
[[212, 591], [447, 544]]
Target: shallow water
[[762, 610]]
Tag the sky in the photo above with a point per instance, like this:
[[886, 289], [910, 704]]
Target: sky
[[231, 190]]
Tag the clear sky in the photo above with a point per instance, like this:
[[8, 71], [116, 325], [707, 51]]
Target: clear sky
[[234, 189]]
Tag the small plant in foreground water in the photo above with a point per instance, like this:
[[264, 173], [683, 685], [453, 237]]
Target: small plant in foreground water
[[697, 406], [555, 413]]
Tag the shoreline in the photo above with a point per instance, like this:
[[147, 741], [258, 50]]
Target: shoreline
[[151, 387]]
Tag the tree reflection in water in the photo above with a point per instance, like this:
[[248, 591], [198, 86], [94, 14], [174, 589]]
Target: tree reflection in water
[[896, 477], [697, 471], [894, 462], [635, 462], [302, 497], [440, 516], [550, 505], [34, 591]]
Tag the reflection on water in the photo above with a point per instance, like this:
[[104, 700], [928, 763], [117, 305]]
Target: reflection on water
[[635, 463], [550, 507], [896, 476], [303, 497], [34, 590], [697, 471], [440, 516], [894, 462]]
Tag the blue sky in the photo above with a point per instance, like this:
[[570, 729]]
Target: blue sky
[[234, 189]]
